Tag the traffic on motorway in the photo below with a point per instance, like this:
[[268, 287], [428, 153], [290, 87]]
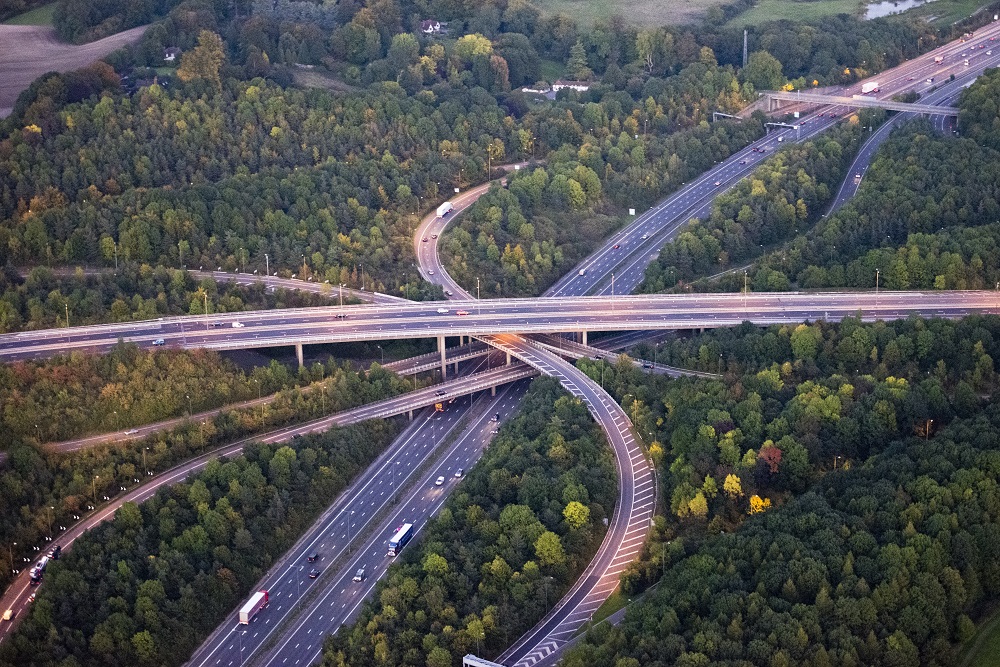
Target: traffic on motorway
[[541, 315], [241, 333], [353, 537]]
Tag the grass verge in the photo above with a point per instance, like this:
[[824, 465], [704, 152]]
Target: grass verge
[[614, 603], [982, 650]]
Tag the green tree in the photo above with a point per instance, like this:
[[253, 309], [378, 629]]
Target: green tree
[[576, 66], [549, 549], [763, 71]]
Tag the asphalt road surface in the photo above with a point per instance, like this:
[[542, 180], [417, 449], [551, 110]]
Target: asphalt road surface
[[355, 533]]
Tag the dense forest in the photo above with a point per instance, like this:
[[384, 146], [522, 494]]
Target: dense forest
[[64, 397], [68, 483], [882, 564], [148, 587], [43, 298], [520, 241], [508, 542], [780, 197], [925, 217], [796, 401]]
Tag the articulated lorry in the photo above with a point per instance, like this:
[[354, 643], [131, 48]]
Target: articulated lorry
[[256, 602], [870, 87], [444, 209]]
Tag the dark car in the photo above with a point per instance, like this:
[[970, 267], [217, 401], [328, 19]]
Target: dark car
[[312, 557], [313, 573], [54, 553]]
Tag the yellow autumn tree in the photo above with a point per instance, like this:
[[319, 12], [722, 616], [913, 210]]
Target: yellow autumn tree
[[758, 504], [732, 486], [203, 61]]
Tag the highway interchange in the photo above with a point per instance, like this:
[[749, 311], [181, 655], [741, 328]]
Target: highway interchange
[[542, 316]]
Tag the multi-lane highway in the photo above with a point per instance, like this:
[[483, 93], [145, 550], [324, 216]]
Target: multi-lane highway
[[16, 595], [480, 318], [626, 254], [353, 534], [486, 319], [341, 599]]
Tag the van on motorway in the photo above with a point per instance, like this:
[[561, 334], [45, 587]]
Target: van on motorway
[[8, 615], [582, 272]]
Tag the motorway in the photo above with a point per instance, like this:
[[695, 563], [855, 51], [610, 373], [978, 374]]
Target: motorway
[[301, 644], [947, 93], [390, 407], [480, 318], [15, 597], [358, 514], [639, 243], [605, 314]]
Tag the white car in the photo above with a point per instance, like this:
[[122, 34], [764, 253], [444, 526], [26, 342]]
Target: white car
[[439, 481], [238, 325], [442, 311]]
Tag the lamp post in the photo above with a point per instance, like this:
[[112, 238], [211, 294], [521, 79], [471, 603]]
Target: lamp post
[[341, 295], [267, 265], [67, 314], [877, 271], [10, 551], [383, 353], [190, 411], [145, 469], [94, 482]]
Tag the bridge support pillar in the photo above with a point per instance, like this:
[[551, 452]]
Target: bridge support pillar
[[411, 415], [493, 391], [583, 337], [444, 363], [508, 358], [299, 355]]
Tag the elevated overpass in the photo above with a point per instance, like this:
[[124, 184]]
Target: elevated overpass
[[652, 312], [775, 97]]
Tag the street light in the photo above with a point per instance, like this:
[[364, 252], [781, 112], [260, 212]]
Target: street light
[[267, 265], [94, 481], [383, 353]]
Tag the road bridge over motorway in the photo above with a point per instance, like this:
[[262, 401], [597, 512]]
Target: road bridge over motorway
[[775, 97], [322, 325]]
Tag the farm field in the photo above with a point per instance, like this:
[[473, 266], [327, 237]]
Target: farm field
[[37, 16], [28, 51], [637, 12]]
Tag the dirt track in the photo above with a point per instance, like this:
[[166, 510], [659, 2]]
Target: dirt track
[[28, 51]]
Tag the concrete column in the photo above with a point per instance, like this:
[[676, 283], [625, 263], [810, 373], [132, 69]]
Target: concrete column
[[298, 355], [411, 415], [493, 391], [583, 334], [508, 358], [444, 364], [456, 368]]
